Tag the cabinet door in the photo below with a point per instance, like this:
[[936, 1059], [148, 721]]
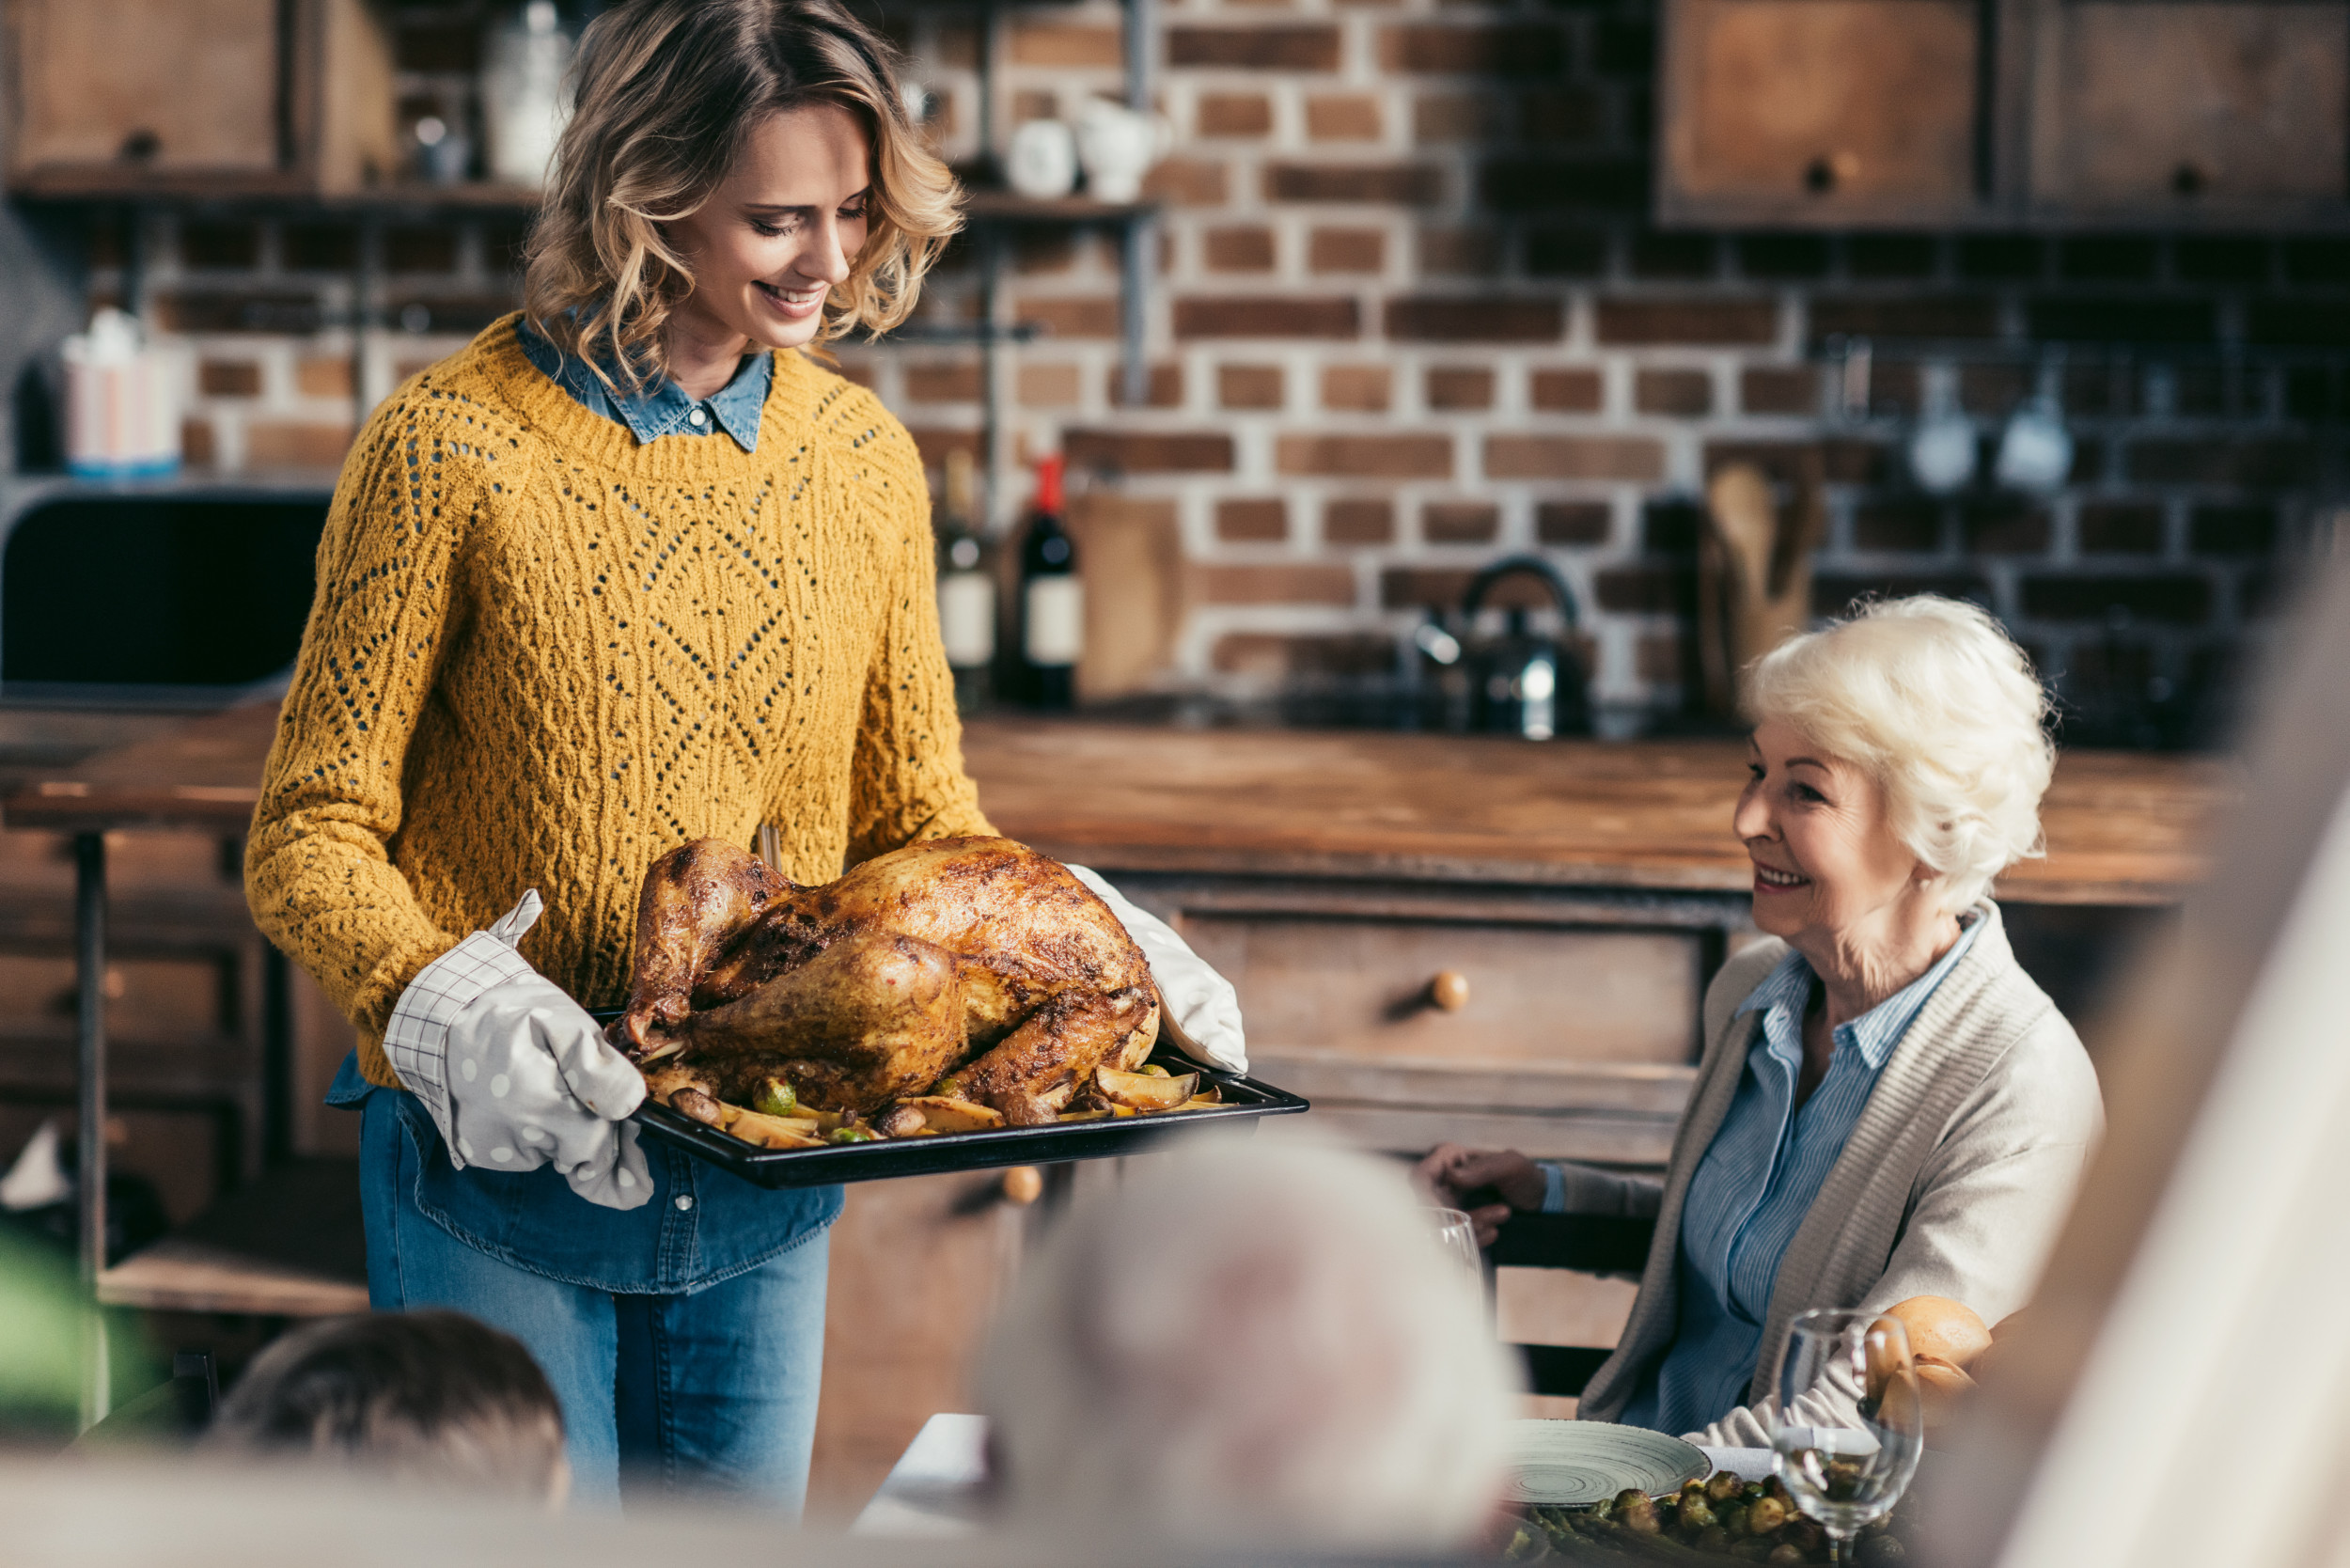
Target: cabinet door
[[187, 87], [1821, 112], [2182, 113]]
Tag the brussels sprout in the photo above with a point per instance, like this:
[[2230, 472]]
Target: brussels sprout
[[1712, 1537], [775, 1097], [1724, 1485], [1879, 1550], [1634, 1511], [1778, 1488], [1732, 1517], [1152, 1070], [1784, 1553], [1753, 1548], [1696, 1512], [949, 1087], [851, 1134], [1765, 1514], [1804, 1534]]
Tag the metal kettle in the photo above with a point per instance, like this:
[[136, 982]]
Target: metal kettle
[[1519, 682]]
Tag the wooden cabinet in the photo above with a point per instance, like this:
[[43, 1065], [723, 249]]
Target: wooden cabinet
[[266, 97], [1992, 112], [1821, 111], [2193, 113]]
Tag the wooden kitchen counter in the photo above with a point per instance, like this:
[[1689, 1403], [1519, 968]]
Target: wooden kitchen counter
[[2123, 828]]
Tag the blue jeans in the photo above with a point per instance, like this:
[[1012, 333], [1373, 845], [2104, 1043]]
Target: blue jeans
[[712, 1388]]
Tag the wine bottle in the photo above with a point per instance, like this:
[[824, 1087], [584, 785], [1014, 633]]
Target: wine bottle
[[966, 588], [1051, 597]]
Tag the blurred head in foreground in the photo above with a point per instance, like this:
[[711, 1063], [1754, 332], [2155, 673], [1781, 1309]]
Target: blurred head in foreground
[[1249, 1343], [432, 1397]]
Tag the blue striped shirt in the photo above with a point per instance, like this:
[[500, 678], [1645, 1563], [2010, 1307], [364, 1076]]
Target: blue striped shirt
[[1758, 1180]]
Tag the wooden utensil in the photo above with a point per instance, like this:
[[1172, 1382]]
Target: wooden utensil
[[1754, 572]]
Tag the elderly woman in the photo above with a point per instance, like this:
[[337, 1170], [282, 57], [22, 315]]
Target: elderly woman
[[1887, 1107]]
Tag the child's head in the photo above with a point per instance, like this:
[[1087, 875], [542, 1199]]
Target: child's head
[[430, 1396]]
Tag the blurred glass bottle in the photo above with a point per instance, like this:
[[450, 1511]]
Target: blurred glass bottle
[[966, 587], [1052, 598], [522, 91]]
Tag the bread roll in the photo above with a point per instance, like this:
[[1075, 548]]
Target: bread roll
[[1942, 1329]]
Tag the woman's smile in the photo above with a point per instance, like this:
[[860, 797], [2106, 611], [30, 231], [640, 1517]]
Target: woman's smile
[[793, 303], [1770, 880]]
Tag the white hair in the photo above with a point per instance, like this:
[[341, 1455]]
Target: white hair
[[1934, 701], [1250, 1344]]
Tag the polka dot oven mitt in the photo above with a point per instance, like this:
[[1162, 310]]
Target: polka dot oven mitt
[[514, 1072]]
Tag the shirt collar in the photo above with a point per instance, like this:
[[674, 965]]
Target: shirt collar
[[1788, 989], [662, 408]]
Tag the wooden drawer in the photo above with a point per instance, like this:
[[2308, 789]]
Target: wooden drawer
[[1536, 993]]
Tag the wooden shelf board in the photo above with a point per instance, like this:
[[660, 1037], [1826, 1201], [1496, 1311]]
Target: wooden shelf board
[[180, 1275], [289, 1245], [116, 182]]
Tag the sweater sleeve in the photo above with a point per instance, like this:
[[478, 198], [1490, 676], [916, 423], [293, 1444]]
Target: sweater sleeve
[[318, 874], [907, 782]]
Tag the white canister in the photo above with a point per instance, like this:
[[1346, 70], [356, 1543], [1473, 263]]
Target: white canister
[[121, 402], [1041, 161]]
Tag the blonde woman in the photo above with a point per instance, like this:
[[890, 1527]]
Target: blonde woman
[[627, 571], [1887, 1107]]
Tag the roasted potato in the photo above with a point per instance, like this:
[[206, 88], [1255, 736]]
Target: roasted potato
[[772, 1132], [1142, 1093], [943, 1113]]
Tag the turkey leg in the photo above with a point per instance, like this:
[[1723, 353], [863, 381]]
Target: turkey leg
[[1034, 1073], [869, 1019], [698, 899]]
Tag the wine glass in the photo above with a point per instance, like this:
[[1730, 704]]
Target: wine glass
[[1457, 1236], [1848, 1425]]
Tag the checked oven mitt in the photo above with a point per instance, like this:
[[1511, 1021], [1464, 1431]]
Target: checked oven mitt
[[514, 1072], [1202, 1011]]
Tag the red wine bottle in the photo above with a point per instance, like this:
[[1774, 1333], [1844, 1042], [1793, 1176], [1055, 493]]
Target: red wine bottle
[[1052, 598]]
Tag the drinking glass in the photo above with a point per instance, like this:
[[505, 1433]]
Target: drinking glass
[[1848, 1427], [1457, 1236]]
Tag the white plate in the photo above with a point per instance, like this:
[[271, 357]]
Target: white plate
[[1581, 1464]]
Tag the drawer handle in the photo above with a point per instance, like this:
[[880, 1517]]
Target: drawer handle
[[1449, 990], [1023, 1184]]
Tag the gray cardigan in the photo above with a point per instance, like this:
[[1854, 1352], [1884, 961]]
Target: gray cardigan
[[1953, 1182]]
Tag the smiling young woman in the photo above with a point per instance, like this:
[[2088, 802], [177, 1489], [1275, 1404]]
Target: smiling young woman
[[630, 569]]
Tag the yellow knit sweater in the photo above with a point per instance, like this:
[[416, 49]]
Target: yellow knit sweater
[[542, 655]]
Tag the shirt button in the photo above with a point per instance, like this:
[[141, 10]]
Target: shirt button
[[684, 1201], [696, 418]]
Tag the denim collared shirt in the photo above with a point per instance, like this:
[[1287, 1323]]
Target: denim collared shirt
[[662, 409], [1757, 1181]]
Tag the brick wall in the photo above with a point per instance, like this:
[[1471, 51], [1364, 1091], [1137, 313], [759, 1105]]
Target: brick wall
[[1409, 317]]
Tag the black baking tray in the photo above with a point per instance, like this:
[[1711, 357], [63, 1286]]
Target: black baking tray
[[1245, 1099]]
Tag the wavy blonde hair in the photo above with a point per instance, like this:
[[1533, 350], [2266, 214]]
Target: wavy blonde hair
[[1935, 700], [664, 94]]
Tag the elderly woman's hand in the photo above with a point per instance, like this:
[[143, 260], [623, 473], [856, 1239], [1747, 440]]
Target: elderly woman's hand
[[1450, 1173]]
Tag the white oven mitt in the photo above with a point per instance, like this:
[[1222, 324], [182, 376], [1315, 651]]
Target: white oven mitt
[[1202, 1011], [514, 1072]]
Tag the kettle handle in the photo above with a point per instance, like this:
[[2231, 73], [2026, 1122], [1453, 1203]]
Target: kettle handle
[[1474, 600]]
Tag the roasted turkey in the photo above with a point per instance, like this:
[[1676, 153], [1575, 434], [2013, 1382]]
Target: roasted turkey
[[975, 957]]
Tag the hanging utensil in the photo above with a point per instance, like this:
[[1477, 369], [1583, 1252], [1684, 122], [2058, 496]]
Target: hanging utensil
[[1754, 572]]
